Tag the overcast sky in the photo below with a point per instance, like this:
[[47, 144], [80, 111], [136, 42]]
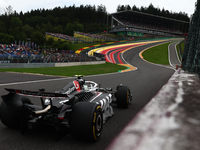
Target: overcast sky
[[186, 6]]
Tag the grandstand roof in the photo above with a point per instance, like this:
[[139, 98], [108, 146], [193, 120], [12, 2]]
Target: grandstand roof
[[135, 14]]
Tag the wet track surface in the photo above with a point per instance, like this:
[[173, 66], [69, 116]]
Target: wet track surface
[[173, 55], [144, 83]]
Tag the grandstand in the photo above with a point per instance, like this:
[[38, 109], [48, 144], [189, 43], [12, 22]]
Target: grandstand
[[142, 25], [61, 37], [79, 37], [87, 37], [126, 25]]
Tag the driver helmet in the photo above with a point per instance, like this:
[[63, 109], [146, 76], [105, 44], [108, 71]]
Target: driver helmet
[[81, 82]]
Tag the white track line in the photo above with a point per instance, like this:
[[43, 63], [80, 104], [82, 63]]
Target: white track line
[[48, 80], [125, 60], [154, 63], [169, 55], [27, 82], [177, 53]]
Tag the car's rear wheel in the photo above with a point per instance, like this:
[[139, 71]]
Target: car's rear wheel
[[86, 121], [123, 96], [6, 118], [9, 116]]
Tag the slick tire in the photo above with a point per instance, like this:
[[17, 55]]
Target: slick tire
[[122, 96], [6, 117], [86, 121], [9, 116]]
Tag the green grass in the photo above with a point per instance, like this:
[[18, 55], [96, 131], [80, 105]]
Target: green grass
[[157, 54], [70, 71], [182, 47], [177, 50]]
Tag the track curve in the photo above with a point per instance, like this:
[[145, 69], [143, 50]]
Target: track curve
[[144, 83], [173, 56]]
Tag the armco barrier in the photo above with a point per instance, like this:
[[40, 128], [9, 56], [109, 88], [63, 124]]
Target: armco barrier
[[38, 65]]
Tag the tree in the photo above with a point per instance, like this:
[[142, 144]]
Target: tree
[[37, 37], [49, 27], [78, 27], [15, 22], [55, 44], [6, 39], [121, 8], [58, 29], [67, 19], [2, 27], [27, 30], [128, 7], [69, 29], [37, 28], [16, 29], [151, 9], [10, 39], [9, 10], [65, 46], [50, 41], [134, 8]]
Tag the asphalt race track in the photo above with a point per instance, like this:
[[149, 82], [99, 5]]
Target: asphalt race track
[[173, 56], [144, 83]]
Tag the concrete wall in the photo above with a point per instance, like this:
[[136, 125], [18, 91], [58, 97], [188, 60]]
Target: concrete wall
[[38, 65]]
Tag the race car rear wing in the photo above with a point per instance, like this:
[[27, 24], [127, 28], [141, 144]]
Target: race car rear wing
[[40, 94]]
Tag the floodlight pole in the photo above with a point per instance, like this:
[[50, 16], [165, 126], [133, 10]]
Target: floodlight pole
[[107, 22]]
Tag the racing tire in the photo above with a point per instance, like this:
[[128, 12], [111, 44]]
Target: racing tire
[[123, 96], [6, 117], [86, 121], [9, 119]]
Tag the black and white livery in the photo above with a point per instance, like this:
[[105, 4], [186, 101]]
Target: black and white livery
[[80, 108]]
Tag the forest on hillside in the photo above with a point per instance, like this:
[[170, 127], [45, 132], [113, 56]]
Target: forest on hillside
[[33, 24]]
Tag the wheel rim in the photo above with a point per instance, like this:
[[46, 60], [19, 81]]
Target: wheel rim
[[99, 123]]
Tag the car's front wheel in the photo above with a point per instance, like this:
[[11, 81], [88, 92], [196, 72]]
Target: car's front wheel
[[86, 121], [123, 96]]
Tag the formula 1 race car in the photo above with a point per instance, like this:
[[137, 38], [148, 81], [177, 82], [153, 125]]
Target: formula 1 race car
[[81, 108]]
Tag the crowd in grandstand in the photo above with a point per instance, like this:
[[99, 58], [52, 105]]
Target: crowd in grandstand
[[95, 36], [63, 36], [25, 55], [66, 57], [17, 51], [22, 53], [147, 25]]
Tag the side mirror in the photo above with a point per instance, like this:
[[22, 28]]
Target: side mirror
[[109, 89]]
